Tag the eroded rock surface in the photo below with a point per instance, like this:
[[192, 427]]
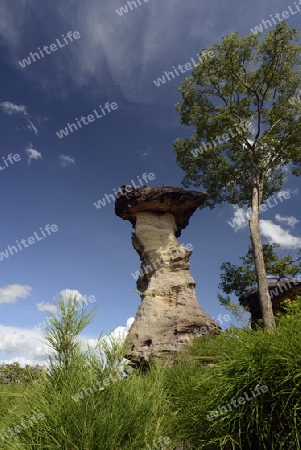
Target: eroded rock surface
[[169, 313]]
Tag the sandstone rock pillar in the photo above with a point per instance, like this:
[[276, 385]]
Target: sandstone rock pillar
[[169, 313]]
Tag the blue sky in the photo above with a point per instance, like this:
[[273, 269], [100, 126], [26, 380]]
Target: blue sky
[[55, 181]]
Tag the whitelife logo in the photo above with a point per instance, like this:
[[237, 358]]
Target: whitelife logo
[[31, 240], [124, 9], [260, 389], [16, 157], [162, 80], [90, 117], [245, 216], [284, 14], [53, 48]]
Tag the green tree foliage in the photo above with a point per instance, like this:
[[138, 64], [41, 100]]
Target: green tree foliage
[[239, 279], [14, 373], [248, 80]]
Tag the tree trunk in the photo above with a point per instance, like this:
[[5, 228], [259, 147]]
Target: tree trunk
[[263, 290]]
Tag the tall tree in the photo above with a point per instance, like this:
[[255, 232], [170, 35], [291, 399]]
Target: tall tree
[[237, 100]]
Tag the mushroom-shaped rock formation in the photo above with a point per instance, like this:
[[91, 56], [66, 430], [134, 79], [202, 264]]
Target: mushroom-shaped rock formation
[[279, 291], [169, 313]]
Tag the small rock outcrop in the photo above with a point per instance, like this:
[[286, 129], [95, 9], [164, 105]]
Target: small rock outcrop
[[169, 313], [279, 291]]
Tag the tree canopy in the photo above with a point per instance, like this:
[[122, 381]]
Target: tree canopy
[[248, 81], [247, 131]]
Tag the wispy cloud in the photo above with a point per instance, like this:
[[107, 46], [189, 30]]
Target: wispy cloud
[[12, 292], [66, 161], [129, 62], [32, 154], [291, 221], [43, 306], [10, 108], [31, 126]]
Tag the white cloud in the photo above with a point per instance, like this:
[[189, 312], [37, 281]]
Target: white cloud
[[240, 219], [22, 345], [31, 126], [11, 341], [130, 322], [11, 292], [27, 346], [66, 161], [103, 52], [32, 154], [290, 220], [10, 108], [275, 234], [46, 307], [117, 335], [67, 293], [22, 361]]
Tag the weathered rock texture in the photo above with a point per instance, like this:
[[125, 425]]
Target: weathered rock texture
[[169, 313], [279, 291]]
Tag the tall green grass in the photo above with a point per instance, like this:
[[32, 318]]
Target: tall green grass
[[114, 413], [86, 400], [244, 360], [94, 406], [11, 397]]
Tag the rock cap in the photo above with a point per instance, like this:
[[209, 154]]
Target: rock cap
[[182, 204]]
